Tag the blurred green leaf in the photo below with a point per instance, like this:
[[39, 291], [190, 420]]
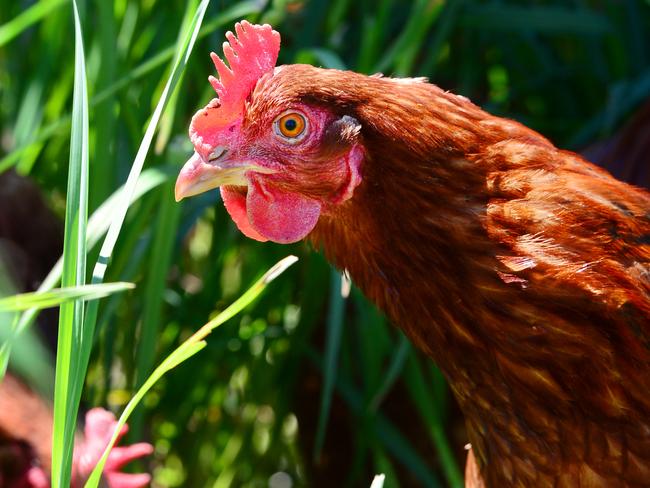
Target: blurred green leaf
[[394, 370], [27, 18], [332, 346], [549, 20]]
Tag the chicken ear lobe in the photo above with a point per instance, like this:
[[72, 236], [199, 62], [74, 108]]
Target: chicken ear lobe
[[278, 215]]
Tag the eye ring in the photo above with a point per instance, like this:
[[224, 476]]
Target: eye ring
[[291, 126]]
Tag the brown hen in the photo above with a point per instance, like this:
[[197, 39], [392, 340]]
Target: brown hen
[[522, 270]]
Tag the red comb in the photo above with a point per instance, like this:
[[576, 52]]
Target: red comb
[[251, 54]]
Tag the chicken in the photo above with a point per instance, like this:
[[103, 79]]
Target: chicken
[[521, 269], [26, 438]]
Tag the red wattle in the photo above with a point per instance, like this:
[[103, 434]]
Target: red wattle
[[235, 204], [280, 216]]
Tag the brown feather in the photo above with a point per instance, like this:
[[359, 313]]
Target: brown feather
[[520, 269]]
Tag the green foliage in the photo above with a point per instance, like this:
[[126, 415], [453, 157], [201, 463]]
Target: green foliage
[[186, 350], [303, 377]]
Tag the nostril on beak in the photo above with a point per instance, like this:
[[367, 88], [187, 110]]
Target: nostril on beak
[[217, 153]]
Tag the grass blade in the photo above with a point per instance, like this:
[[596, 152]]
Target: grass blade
[[421, 396], [26, 19], [186, 350], [332, 346], [161, 255], [71, 316], [402, 54], [156, 282], [393, 372], [54, 298]]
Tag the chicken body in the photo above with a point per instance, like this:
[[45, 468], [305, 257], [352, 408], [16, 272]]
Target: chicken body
[[522, 270]]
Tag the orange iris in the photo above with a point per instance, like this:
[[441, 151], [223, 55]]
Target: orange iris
[[291, 125]]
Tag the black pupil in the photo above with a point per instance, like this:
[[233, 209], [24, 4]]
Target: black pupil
[[290, 125]]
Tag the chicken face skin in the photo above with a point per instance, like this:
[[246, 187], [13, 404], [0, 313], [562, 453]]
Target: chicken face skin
[[275, 186], [280, 162]]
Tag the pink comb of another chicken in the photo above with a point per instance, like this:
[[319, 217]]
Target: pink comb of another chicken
[[251, 54], [100, 425]]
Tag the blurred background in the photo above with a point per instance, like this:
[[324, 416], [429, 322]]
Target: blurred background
[[311, 386]]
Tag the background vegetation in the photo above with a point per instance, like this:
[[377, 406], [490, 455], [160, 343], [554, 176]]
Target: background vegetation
[[307, 385]]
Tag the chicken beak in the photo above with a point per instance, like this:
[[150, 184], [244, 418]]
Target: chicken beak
[[197, 176]]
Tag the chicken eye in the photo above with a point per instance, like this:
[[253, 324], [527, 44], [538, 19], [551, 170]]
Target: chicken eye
[[291, 127]]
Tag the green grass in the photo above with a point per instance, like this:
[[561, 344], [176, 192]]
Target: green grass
[[54, 298], [70, 372], [302, 378]]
